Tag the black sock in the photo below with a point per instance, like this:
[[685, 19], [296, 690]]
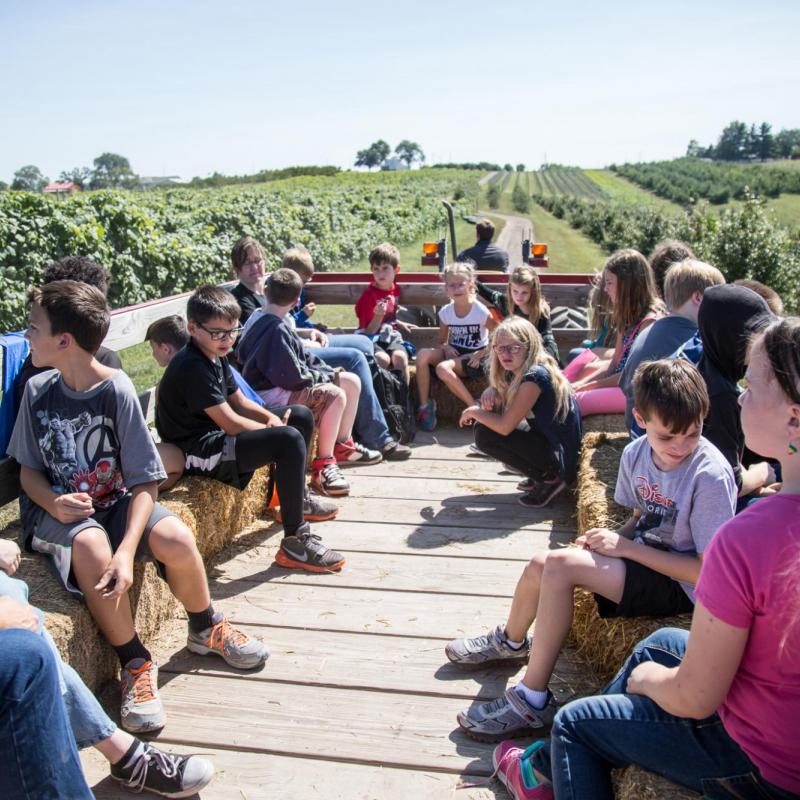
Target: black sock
[[200, 621], [132, 649]]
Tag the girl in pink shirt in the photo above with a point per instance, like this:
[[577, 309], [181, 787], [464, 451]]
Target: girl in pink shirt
[[717, 708]]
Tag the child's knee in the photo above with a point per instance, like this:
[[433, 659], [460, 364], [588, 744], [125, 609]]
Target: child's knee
[[559, 564], [350, 383], [91, 546], [171, 540], [534, 568], [445, 369], [381, 357]]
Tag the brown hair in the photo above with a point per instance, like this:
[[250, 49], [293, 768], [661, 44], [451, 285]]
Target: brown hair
[[76, 308], [299, 260], [527, 276], [242, 249], [484, 228], [771, 297], [673, 390], [169, 330], [636, 295], [385, 252], [664, 255], [781, 340], [523, 332], [687, 277], [283, 287], [600, 308], [207, 302], [78, 268]]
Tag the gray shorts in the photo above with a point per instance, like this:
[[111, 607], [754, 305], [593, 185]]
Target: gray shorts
[[54, 538]]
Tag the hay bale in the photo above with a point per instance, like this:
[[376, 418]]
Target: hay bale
[[604, 644], [448, 406], [597, 478], [605, 423], [635, 783], [214, 512]]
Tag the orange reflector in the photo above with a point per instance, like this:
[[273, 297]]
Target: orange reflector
[[539, 250], [430, 248]]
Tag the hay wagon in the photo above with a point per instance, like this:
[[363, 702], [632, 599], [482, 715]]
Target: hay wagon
[[357, 699]]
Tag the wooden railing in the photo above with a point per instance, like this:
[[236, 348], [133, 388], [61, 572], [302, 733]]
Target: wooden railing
[[129, 325]]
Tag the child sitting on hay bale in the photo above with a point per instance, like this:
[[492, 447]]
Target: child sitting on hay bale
[[228, 437], [89, 470], [464, 326], [628, 282], [714, 709], [680, 490], [528, 417]]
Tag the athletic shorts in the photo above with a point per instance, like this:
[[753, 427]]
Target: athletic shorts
[[476, 373], [217, 460], [54, 538], [647, 593], [316, 398]]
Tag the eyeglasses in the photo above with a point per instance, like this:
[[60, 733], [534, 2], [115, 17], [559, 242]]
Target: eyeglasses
[[219, 335], [508, 349]]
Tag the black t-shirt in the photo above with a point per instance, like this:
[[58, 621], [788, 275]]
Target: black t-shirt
[[248, 301], [564, 437], [192, 383], [108, 358]]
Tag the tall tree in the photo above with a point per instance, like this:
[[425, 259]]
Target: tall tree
[[787, 140], [113, 171], [29, 179], [374, 155], [77, 175], [520, 168], [766, 142], [409, 152], [732, 142]]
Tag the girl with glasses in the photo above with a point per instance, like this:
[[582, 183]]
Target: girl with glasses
[[528, 417]]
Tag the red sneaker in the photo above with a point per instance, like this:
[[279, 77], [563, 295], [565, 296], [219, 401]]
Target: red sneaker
[[513, 766]]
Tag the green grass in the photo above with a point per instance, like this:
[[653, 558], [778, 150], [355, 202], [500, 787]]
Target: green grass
[[785, 209], [141, 367], [621, 190], [790, 164]]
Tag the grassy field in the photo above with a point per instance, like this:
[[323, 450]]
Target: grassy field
[[622, 190]]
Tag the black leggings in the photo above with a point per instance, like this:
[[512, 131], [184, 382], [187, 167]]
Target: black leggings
[[527, 451], [286, 447]]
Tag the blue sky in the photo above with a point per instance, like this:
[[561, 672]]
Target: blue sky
[[187, 88]]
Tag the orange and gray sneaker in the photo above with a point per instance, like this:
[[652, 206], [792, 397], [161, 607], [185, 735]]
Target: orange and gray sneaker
[[141, 710], [238, 649], [315, 509], [305, 550]]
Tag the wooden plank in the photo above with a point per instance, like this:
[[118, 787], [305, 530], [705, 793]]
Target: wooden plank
[[362, 661], [409, 572], [439, 541], [395, 730], [447, 467], [485, 512], [128, 326], [358, 610], [481, 491], [252, 776]]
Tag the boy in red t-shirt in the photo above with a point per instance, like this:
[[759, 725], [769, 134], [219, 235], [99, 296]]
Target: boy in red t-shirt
[[377, 307]]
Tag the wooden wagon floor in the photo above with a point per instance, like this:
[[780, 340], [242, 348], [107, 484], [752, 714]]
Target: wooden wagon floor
[[357, 699]]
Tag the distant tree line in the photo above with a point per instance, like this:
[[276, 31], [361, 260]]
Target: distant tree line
[[376, 154], [485, 166], [740, 142], [110, 171], [264, 176]]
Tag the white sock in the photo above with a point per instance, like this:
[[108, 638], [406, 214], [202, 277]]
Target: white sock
[[531, 696], [512, 644], [135, 756]]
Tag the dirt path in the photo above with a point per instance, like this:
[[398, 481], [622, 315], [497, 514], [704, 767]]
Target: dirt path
[[515, 231]]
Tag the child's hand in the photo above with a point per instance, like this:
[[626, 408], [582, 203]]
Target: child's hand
[[488, 399], [405, 327], [449, 351], [117, 578], [275, 421], [9, 556], [643, 676], [604, 542], [381, 307], [73, 507], [476, 358], [14, 614], [319, 337], [309, 309], [468, 416]]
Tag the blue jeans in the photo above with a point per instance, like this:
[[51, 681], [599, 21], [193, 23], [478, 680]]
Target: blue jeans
[[89, 723], [39, 757], [370, 426], [594, 735]]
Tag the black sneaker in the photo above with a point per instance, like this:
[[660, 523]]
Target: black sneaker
[[542, 493], [304, 550], [167, 774], [394, 451]]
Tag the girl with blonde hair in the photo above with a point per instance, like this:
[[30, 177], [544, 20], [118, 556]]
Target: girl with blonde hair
[[528, 417]]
